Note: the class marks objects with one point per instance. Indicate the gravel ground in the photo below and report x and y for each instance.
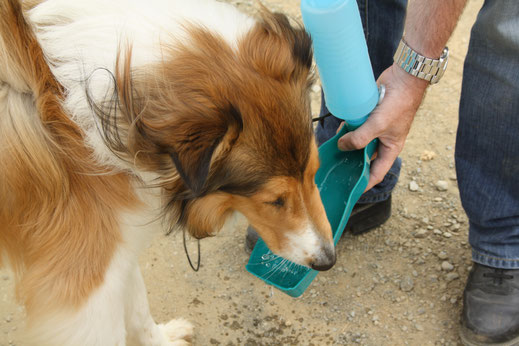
(398, 285)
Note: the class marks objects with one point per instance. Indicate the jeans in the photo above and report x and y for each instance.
(487, 144)
(383, 22)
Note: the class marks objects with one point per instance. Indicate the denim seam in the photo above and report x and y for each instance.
(495, 258)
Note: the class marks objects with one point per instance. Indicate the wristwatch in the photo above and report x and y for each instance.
(420, 66)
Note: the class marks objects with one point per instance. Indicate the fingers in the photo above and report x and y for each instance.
(361, 137)
(381, 165)
(340, 127)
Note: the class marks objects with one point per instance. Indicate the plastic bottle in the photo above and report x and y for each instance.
(342, 58)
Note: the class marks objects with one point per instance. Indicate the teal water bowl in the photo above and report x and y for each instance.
(341, 179)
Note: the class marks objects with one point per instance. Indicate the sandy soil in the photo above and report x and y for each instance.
(388, 287)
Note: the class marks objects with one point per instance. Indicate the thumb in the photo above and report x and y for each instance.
(357, 139)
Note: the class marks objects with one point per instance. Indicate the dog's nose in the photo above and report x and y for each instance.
(325, 260)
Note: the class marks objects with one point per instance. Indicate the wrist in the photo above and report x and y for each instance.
(410, 82)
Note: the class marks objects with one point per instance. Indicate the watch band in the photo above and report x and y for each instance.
(420, 66)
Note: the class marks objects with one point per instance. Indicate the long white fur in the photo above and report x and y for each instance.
(81, 38)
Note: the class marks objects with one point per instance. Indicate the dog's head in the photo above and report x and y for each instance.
(229, 129)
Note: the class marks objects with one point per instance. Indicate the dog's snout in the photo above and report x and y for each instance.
(325, 260)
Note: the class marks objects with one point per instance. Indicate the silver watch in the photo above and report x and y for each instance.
(418, 65)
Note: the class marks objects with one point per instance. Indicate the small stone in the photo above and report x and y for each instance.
(421, 233)
(406, 284)
(447, 266)
(452, 276)
(9, 318)
(453, 300)
(443, 255)
(437, 231)
(447, 234)
(418, 327)
(414, 273)
(427, 155)
(413, 186)
(441, 185)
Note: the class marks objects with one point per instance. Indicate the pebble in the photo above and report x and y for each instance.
(427, 155)
(406, 284)
(413, 186)
(447, 234)
(419, 327)
(437, 231)
(441, 185)
(447, 266)
(421, 233)
(442, 255)
(452, 276)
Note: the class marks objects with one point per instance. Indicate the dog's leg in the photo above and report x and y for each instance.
(142, 329)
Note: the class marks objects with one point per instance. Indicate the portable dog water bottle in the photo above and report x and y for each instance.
(351, 93)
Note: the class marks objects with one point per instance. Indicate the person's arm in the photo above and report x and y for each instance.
(429, 24)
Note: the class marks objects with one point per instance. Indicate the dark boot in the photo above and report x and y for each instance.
(490, 307)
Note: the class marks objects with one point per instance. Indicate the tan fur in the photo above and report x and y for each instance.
(213, 116)
(224, 130)
(58, 211)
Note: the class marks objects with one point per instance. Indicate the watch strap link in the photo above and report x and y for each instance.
(420, 66)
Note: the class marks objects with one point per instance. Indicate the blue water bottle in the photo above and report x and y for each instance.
(342, 58)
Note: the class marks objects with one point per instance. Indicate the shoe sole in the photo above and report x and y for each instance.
(467, 340)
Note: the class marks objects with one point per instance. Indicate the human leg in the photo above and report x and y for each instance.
(487, 164)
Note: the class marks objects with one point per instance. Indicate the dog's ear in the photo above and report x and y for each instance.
(194, 140)
(277, 48)
(191, 137)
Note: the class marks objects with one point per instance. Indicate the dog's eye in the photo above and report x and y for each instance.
(280, 202)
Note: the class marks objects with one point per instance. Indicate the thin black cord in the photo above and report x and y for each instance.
(187, 254)
(321, 118)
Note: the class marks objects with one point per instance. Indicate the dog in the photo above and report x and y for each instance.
(120, 118)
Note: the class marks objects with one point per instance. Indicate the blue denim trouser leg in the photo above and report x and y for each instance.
(487, 146)
(383, 22)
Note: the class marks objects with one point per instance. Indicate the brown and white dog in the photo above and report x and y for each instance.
(120, 116)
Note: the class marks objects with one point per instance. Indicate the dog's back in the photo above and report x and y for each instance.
(47, 182)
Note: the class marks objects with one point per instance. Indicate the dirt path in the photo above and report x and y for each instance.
(388, 287)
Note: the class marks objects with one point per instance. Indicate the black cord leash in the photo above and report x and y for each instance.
(187, 253)
(321, 118)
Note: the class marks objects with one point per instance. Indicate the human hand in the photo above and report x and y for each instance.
(389, 122)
